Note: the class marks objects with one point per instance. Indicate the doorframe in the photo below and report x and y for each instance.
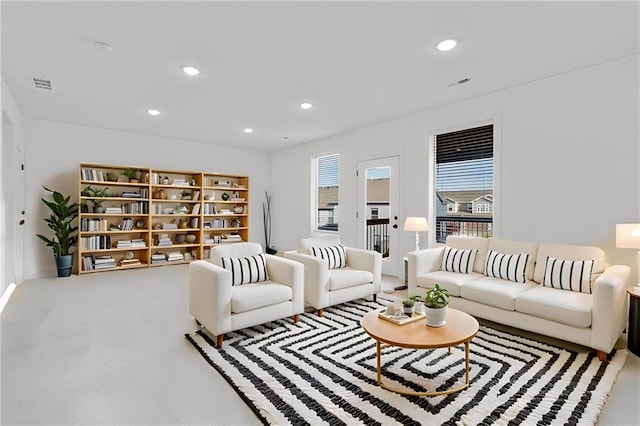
(393, 266)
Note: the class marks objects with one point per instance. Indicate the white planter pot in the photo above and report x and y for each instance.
(436, 317)
(419, 307)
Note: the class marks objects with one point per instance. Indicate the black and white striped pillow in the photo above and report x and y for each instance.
(511, 267)
(574, 275)
(336, 255)
(245, 270)
(458, 260)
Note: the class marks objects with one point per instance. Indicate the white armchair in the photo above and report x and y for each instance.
(323, 286)
(221, 307)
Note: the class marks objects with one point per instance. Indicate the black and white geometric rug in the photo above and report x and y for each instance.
(323, 371)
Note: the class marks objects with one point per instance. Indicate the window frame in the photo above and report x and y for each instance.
(314, 197)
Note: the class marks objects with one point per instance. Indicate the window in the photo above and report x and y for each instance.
(463, 168)
(327, 183)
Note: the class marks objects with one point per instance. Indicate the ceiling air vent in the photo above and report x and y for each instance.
(41, 83)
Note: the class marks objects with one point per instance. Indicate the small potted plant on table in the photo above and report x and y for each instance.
(435, 305)
(408, 306)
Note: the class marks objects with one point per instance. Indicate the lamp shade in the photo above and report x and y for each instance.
(416, 224)
(628, 235)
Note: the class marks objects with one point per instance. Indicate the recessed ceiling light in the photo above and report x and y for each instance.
(190, 71)
(153, 112)
(248, 130)
(305, 105)
(446, 45)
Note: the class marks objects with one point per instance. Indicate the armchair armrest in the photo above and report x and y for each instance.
(210, 296)
(366, 260)
(316, 275)
(290, 273)
(609, 312)
(420, 262)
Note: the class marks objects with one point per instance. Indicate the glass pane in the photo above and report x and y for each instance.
(377, 193)
(328, 191)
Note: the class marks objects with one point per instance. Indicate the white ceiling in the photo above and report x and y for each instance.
(359, 63)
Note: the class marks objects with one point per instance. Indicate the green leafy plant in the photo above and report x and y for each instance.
(408, 303)
(98, 193)
(416, 298)
(63, 213)
(130, 173)
(436, 297)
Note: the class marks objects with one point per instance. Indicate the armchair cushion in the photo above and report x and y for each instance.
(335, 255)
(249, 297)
(245, 270)
(347, 277)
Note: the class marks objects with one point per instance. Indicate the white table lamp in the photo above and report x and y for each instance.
(628, 236)
(416, 224)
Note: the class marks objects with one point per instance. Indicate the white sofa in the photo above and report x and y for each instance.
(594, 320)
(323, 286)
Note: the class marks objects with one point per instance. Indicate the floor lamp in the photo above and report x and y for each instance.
(628, 236)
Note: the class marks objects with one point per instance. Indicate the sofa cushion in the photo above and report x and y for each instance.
(458, 260)
(495, 292)
(510, 267)
(246, 270)
(476, 243)
(569, 252)
(451, 281)
(517, 247)
(565, 307)
(574, 275)
(347, 277)
(335, 255)
(258, 295)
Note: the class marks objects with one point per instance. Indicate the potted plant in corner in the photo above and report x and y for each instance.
(97, 194)
(266, 218)
(63, 213)
(132, 175)
(435, 305)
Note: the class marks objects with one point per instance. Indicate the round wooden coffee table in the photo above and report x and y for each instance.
(460, 328)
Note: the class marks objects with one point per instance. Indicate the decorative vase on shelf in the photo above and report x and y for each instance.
(238, 209)
(180, 238)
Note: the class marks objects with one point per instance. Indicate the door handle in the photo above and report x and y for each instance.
(21, 222)
(395, 226)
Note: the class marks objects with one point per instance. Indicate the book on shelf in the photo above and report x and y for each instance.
(180, 182)
(169, 226)
(130, 262)
(130, 194)
(196, 196)
(196, 209)
(113, 210)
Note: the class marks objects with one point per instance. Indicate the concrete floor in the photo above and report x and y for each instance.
(108, 348)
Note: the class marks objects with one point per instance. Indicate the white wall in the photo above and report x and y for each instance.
(571, 140)
(53, 151)
(11, 248)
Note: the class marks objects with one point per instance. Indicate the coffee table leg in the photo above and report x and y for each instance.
(378, 360)
(466, 359)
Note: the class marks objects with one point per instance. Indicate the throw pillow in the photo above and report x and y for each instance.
(457, 260)
(245, 270)
(511, 267)
(336, 255)
(574, 275)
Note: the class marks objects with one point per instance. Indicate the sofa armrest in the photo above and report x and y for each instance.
(210, 296)
(609, 313)
(366, 260)
(290, 273)
(420, 262)
(316, 276)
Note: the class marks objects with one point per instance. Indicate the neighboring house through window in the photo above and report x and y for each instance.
(327, 182)
(463, 173)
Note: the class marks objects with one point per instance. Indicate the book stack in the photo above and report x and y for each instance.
(138, 243)
(164, 240)
(130, 194)
(232, 238)
(124, 244)
(174, 256)
(113, 210)
(180, 182)
(130, 262)
(158, 258)
(104, 262)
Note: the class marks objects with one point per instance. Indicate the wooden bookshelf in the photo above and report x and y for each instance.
(167, 217)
